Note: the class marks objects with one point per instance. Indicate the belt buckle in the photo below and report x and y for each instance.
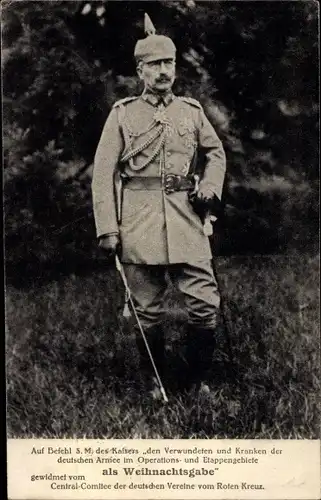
(171, 183)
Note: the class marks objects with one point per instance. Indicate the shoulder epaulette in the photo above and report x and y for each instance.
(191, 101)
(124, 101)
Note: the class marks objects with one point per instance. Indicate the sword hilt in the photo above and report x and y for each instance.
(197, 183)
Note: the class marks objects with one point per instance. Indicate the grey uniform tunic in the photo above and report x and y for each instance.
(160, 231)
(156, 228)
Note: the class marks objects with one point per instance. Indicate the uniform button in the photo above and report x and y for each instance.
(169, 153)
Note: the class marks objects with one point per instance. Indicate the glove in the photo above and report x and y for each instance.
(204, 201)
(110, 243)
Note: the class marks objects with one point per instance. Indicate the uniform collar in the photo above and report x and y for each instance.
(156, 99)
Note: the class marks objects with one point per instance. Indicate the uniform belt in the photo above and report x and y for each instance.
(169, 183)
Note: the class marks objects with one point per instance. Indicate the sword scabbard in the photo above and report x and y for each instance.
(118, 190)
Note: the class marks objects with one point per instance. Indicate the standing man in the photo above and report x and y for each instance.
(156, 142)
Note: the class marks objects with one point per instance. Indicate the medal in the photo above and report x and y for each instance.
(185, 126)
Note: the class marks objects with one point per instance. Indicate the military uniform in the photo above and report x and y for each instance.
(155, 143)
(151, 140)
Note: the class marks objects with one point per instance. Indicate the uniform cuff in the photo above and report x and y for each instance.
(115, 233)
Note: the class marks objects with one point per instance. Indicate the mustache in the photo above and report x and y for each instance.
(163, 80)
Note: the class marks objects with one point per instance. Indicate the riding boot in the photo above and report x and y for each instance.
(156, 341)
(205, 356)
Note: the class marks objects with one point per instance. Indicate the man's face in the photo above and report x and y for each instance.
(159, 75)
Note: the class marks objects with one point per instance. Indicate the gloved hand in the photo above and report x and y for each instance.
(204, 201)
(204, 196)
(110, 243)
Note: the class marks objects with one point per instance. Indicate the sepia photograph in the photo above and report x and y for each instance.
(161, 211)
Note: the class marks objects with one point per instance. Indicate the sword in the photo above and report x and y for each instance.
(121, 271)
(208, 231)
(209, 219)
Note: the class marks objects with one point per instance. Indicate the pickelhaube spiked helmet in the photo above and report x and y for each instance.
(153, 47)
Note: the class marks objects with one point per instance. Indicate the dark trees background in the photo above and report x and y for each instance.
(254, 67)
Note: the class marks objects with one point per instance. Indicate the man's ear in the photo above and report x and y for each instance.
(139, 69)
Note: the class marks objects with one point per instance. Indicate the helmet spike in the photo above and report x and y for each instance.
(149, 28)
(153, 47)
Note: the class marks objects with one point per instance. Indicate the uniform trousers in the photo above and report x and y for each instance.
(197, 283)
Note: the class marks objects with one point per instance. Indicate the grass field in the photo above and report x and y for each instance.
(71, 373)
